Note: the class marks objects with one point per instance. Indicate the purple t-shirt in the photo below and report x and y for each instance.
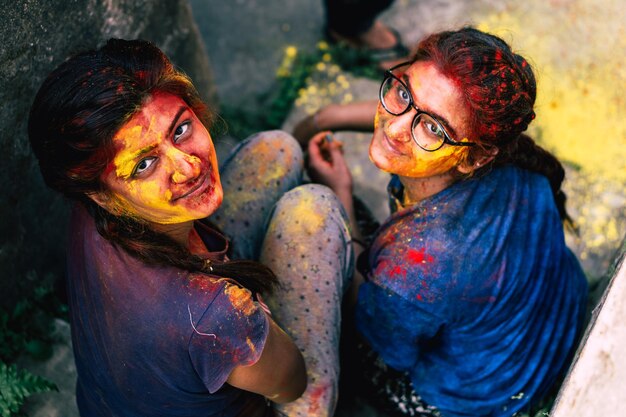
(155, 341)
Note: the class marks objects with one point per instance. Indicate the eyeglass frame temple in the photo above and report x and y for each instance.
(447, 139)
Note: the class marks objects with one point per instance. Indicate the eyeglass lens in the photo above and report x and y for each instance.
(394, 96)
(427, 132)
(396, 99)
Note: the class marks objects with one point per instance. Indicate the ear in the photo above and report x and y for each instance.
(466, 168)
(104, 200)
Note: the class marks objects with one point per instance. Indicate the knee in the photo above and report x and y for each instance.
(315, 197)
(276, 142)
(311, 206)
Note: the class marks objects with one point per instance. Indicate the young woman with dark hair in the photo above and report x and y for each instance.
(165, 307)
(467, 293)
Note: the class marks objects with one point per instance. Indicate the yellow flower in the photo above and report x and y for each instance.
(322, 46)
(291, 51)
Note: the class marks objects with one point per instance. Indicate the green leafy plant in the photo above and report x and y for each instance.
(16, 385)
(26, 329)
(291, 78)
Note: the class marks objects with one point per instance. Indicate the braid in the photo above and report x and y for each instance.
(499, 89)
(154, 248)
(526, 154)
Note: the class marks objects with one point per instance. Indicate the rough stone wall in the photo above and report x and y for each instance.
(36, 36)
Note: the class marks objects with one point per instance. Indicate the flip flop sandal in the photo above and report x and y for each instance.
(377, 55)
(392, 53)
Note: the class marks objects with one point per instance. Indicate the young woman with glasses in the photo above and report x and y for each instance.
(166, 312)
(467, 295)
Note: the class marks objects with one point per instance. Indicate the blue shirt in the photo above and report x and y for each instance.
(156, 341)
(474, 293)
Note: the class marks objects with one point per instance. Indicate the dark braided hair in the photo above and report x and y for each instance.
(499, 89)
(75, 115)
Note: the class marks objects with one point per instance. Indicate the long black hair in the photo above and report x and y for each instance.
(76, 113)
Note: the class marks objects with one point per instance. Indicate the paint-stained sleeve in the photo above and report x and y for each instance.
(231, 333)
(392, 326)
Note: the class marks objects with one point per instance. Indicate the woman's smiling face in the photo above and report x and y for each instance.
(165, 168)
(393, 149)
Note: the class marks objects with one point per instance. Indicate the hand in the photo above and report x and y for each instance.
(327, 165)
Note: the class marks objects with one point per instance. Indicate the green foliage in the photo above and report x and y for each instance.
(280, 99)
(26, 329)
(358, 62)
(16, 385)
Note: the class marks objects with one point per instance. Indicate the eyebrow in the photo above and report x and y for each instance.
(437, 116)
(148, 149)
(180, 111)
(145, 150)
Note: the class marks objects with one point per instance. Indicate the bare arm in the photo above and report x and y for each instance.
(358, 116)
(279, 374)
(328, 166)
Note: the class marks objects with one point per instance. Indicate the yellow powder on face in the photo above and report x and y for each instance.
(132, 137)
(240, 298)
(124, 160)
(193, 170)
(437, 162)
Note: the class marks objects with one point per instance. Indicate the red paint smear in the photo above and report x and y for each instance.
(418, 256)
(201, 283)
(397, 270)
(316, 394)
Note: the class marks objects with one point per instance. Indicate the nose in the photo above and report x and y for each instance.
(184, 166)
(399, 127)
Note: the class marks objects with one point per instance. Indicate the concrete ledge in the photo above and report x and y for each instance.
(593, 386)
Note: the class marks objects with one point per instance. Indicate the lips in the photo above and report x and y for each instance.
(196, 187)
(390, 145)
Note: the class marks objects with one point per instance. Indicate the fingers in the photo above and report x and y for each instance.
(319, 149)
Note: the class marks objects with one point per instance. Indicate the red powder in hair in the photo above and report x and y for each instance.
(498, 54)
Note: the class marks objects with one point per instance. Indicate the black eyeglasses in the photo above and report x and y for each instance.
(426, 130)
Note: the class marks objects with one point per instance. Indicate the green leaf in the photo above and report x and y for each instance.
(18, 384)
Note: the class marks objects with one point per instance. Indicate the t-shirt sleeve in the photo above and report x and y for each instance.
(231, 333)
(394, 327)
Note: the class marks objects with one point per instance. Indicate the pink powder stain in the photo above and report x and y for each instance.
(201, 282)
(397, 271)
(316, 395)
(418, 256)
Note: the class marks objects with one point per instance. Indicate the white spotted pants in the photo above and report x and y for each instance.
(301, 233)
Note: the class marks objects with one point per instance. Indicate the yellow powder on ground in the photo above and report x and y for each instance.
(581, 111)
